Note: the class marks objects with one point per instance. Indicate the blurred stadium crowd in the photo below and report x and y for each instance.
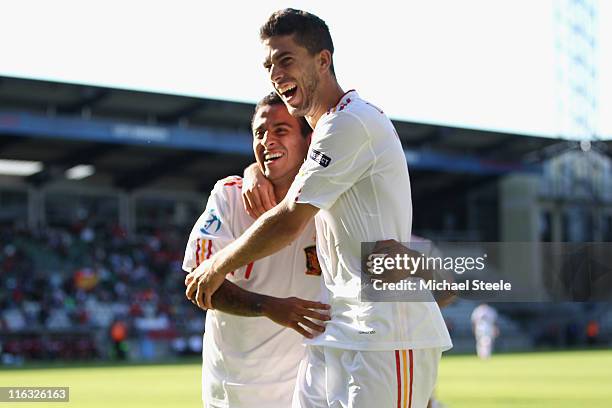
(69, 292)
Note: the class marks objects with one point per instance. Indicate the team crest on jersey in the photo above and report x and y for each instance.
(320, 158)
(312, 262)
(212, 224)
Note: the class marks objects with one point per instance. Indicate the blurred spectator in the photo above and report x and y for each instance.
(592, 332)
(118, 334)
(13, 319)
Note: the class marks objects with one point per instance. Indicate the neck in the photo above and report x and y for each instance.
(280, 192)
(329, 96)
(281, 186)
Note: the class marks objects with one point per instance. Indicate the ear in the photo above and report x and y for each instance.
(324, 61)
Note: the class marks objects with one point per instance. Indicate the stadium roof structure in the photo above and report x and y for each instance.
(141, 139)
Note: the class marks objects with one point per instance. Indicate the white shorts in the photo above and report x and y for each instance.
(276, 395)
(339, 378)
(269, 390)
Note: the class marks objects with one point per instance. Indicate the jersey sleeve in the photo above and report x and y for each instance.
(339, 155)
(213, 229)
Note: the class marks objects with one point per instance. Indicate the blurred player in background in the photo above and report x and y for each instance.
(355, 180)
(248, 360)
(484, 325)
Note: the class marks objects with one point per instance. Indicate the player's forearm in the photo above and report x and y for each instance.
(270, 233)
(232, 299)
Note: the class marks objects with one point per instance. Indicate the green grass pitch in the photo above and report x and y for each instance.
(554, 379)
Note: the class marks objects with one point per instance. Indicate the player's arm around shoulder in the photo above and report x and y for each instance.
(270, 233)
(297, 215)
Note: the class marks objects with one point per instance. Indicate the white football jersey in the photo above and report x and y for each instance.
(356, 174)
(251, 361)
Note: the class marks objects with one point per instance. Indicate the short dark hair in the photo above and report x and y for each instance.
(309, 30)
(272, 99)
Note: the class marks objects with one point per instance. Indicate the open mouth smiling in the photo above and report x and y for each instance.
(287, 91)
(272, 156)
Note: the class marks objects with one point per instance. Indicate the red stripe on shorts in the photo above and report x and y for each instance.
(399, 379)
(411, 372)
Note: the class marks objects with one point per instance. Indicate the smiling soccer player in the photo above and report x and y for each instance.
(355, 183)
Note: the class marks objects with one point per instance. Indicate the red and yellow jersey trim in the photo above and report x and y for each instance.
(203, 250)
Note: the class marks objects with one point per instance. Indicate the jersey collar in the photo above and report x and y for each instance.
(348, 96)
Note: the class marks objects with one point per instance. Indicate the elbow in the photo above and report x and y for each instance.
(289, 228)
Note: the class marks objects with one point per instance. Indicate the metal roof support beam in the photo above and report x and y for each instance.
(91, 96)
(135, 179)
(186, 111)
(439, 134)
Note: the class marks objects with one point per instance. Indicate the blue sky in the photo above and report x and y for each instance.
(470, 63)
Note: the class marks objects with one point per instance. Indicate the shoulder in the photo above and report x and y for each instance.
(355, 114)
(228, 188)
(361, 108)
(341, 122)
(230, 181)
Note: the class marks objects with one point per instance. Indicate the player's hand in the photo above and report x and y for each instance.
(257, 192)
(191, 285)
(190, 276)
(201, 284)
(391, 248)
(303, 316)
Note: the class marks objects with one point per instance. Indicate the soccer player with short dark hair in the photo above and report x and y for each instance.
(355, 184)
